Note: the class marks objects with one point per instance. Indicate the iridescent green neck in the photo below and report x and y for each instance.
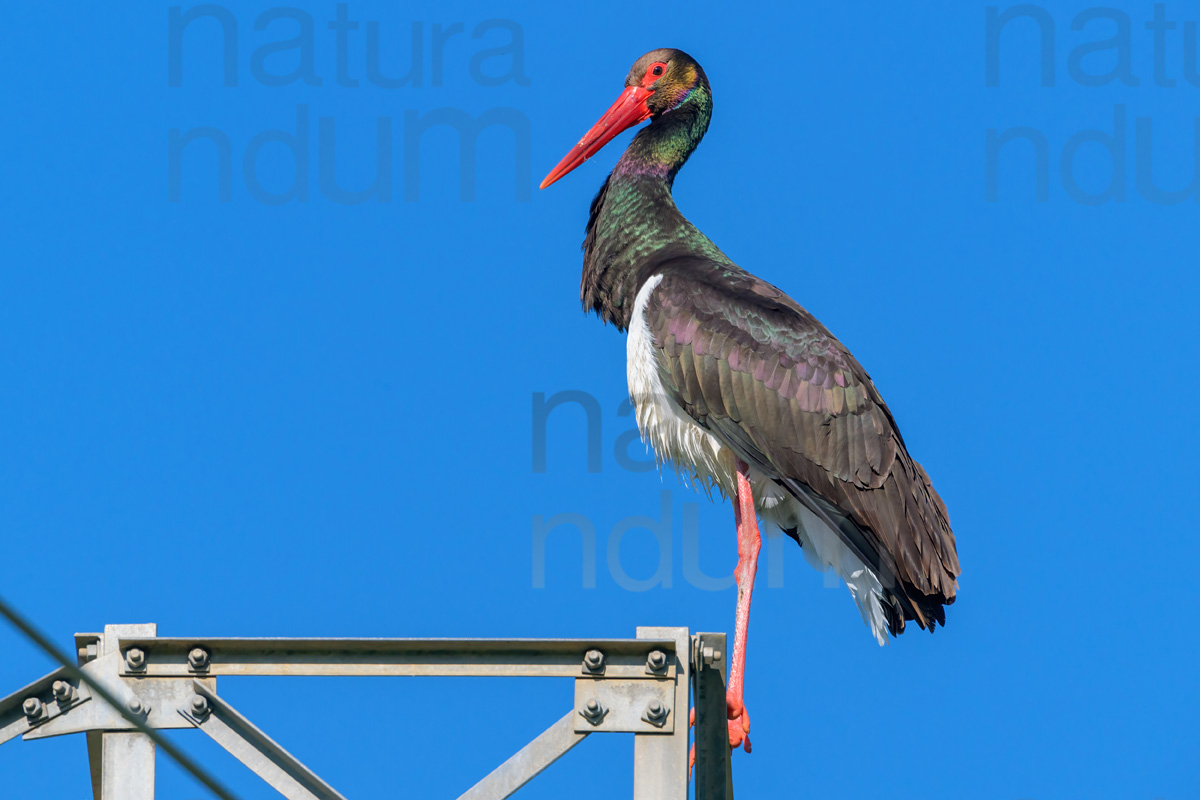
(660, 149)
(634, 228)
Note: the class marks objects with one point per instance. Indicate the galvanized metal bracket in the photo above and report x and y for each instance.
(154, 699)
(623, 705)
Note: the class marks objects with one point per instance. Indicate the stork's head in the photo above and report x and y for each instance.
(659, 82)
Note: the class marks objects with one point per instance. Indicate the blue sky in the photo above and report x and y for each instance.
(313, 418)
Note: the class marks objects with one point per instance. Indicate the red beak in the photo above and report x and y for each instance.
(629, 110)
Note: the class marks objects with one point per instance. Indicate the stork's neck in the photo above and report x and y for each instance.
(634, 225)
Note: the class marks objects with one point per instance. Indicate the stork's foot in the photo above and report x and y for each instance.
(739, 729)
(692, 751)
(739, 723)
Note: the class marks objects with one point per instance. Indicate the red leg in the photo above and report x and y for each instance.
(749, 543)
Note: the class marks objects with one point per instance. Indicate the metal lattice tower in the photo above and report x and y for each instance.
(639, 686)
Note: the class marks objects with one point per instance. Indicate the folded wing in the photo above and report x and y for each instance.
(765, 377)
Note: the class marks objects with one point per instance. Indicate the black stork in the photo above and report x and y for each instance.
(743, 389)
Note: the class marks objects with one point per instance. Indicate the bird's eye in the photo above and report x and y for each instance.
(653, 73)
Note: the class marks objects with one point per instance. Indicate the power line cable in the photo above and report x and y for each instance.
(34, 635)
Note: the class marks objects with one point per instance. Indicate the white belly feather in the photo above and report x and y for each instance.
(697, 454)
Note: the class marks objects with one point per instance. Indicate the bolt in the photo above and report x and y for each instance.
(198, 659)
(593, 711)
(63, 691)
(137, 707)
(199, 706)
(593, 661)
(656, 661)
(710, 655)
(135, 657)
(32, 707)
(656, 713)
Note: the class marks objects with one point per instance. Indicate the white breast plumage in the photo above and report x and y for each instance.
(674, 435)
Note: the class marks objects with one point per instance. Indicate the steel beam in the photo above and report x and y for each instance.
(660, 762)
(714, 777)
(127, 767)
(252, 747)
(113, 756)
(562, 658)
(95, 750)
(529, 762)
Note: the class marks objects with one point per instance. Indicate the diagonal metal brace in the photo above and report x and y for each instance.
(16, 721)
(528, 762)
(255, 749)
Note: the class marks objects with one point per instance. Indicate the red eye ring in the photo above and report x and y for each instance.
(654, 72)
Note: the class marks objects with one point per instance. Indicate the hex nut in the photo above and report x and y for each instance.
(63, 691)
(710, 656)
(198, 659)
(137, 707)
(593, 662)
(594, 711)
(656, 662)
(656, 713)
(32, 707)
(135, 657)
(199, 706)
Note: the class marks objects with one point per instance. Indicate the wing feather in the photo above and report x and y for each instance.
(776, 387)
